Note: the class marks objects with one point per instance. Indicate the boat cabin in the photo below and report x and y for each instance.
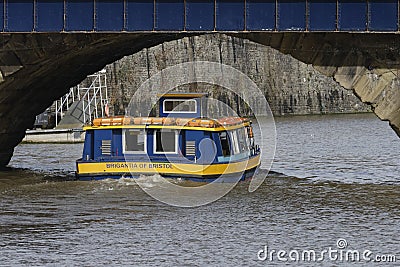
(181, 134)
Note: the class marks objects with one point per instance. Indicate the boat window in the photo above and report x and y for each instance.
(165, 141)
(134, 140)
(235, 142)
(242, 140)
(179, 106)
(226, 150)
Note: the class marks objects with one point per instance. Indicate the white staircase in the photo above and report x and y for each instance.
(83, 103)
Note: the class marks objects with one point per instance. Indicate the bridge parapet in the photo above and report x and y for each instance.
(198, 15)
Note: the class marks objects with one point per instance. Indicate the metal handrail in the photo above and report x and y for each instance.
(88, 96)
(64, 100)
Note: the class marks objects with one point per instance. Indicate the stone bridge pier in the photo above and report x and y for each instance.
(367, 64)
(37, 68)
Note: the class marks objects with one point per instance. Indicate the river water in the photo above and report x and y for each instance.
(336, 187)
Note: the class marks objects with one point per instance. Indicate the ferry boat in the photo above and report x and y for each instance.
(181, 142)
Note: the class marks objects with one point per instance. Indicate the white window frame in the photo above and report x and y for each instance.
(155, 142)
(185, 100)
(124, 142)
(246, 143)
(235, 142)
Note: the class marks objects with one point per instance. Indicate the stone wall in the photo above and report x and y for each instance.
(290, 86)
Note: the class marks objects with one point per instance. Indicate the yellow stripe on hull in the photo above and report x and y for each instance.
(87, 168)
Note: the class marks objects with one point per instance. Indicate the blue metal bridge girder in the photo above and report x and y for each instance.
(198, 15)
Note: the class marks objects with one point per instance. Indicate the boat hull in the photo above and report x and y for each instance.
(222, 172)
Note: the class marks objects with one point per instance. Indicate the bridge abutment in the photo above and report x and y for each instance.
(367, 64)
(378, 87)
(38, 68)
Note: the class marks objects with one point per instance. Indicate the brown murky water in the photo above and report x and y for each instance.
(338, 177)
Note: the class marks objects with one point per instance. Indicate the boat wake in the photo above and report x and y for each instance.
(149, 181)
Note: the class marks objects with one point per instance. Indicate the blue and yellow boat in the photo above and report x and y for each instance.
(179, 143)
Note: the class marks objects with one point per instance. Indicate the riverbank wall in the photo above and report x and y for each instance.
(290, 86)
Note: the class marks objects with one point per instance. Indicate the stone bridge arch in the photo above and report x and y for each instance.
(37, 68)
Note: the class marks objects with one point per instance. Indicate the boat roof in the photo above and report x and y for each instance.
(199, 124)
(183, 95)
